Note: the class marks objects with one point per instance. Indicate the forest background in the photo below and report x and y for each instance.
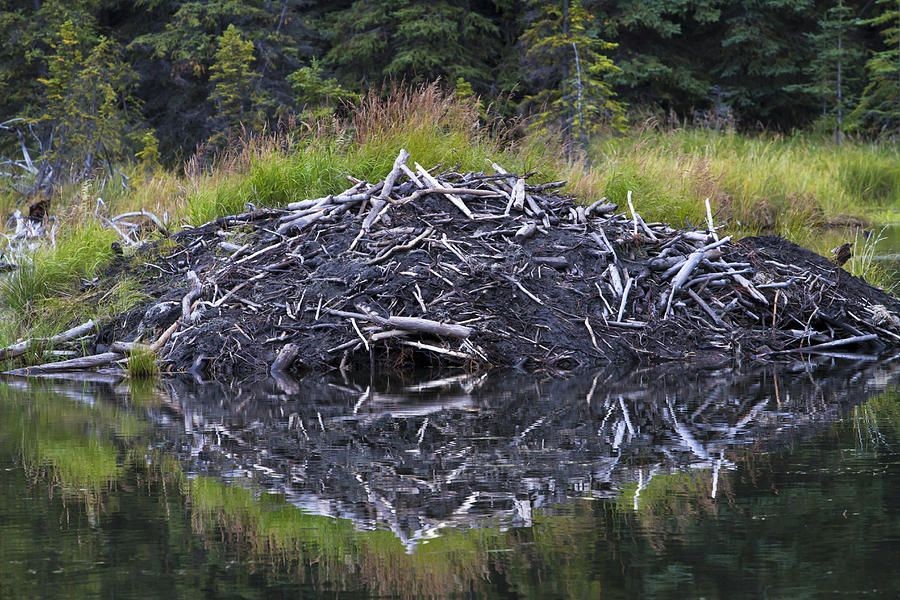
(89, 84)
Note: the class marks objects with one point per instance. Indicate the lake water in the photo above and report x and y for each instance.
(775, 483)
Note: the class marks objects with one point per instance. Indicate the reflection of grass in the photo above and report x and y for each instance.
(273, 529)
(79, 464)
(68, 442)
(881, 412)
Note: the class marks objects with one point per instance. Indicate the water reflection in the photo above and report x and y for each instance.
(420, 458)
(662, 482)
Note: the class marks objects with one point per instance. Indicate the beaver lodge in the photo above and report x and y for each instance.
(475, 270)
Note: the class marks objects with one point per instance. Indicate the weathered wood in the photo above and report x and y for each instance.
(286, 357)
(410, 324)
(24, 346)
(76, 364)
(431, 182)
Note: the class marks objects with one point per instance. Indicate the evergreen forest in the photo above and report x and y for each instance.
(88, 84)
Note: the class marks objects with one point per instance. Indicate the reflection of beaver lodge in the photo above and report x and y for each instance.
(483, 270)
(418, 458)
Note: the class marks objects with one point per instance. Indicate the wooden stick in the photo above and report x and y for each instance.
(436, 349)
(434, 183)
(856, 339)
(518, 195)
(24, 346)
(285, 358)
(75, 364)
(409, 323)
(193, 294)
(625, 297)
(382, 200)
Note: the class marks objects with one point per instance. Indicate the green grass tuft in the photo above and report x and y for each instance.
(142, 364)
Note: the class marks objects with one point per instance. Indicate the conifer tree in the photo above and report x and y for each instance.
(762, 58)
(878, 112)
(834, 69)
(316, 95)
(568, 70)
(666, 49)
(235, 94)
(414, 41)
(88, 115)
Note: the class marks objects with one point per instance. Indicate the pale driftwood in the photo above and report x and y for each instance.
(707, 309)
(600, 237)
(416, 324)
(518, 195)
(600, 207)
(381, 202)
(286, 357)
(431, 182)
(709, 221)
(525, 231)
(130, 348)
(24, 346)
(157, 222)
(856, 339)
(436, 349)
(75, 364)
(400, 247)
(625, 297)
(193, 294)
(300, 222)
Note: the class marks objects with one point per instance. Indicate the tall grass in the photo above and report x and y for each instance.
(772, 184)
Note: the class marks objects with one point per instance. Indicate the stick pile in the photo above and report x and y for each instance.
(484, 270)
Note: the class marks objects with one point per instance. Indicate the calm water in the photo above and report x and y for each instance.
(779, 483)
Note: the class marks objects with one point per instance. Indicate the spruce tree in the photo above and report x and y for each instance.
(763, 55)
(88, 115)
(878, 112)
(235, 93)
(666, 49)
(414, 41)
(316, 95)
(568, 70)
(836, 64)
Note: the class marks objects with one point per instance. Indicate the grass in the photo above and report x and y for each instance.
(142, 364)
(790, 186)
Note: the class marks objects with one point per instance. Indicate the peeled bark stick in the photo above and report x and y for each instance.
(434, 183)
(518, 195)
(707, 309)
(157, 222)
(857, 339)
(600, 207)
(625, 297)
(602, 240)
(382, 200)
(410, 324)
(525, 231)
(686, 269)
(130, 347)
(193, 294)
(437, 349)
(709, 221)
(75, 364)
(24, 346)
(286, 357)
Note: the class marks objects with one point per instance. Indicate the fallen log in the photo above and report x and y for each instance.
(24, 346)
